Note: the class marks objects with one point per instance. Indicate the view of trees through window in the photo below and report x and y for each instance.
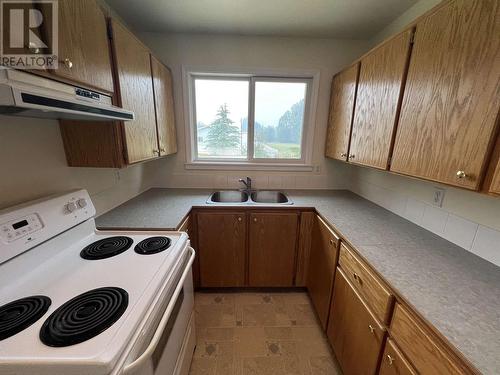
(222, 110)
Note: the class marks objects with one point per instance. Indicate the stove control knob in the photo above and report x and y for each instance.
(71, 207)
(82, 202)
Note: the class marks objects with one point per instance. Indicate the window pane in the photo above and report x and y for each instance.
(221, 118)
(279, 119)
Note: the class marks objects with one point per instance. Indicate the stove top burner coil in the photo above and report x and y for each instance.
(152, 245)
(106, 248)
(18, 315)
(84, 316)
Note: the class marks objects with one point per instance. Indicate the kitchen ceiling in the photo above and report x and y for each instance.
(356, 19)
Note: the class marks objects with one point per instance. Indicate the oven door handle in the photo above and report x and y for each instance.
(164, 320)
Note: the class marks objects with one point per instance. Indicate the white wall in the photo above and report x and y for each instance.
(33, 164)
(468, 219)
(403, 20)
(233, 52)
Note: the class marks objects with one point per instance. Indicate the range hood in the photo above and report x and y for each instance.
(29, 95)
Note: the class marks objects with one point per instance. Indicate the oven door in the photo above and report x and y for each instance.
(171, 346)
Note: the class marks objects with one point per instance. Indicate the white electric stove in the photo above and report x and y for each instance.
(74, 300)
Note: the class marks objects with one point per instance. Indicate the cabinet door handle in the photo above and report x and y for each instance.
(343, 154)
(356, 277)
(239, 219)
(372, 330)
(461, 174)
(352, 156)
(254, 219)
(331, 241)
(390, 360)
(67, 63)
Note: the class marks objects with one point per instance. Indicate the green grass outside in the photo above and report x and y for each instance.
(287, 150)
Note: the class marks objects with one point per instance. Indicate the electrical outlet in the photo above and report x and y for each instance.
(438, 197)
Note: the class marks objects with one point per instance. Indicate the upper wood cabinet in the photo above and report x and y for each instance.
(221, 248)
(143, 85)
(322, 263)
(450, 107)
(380, 85)
(272, 248)
(342, 100)
(164, 106)
(83, 45)
(133, 71)
(353, 331)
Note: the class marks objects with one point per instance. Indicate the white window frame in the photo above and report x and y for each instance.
(311, 77)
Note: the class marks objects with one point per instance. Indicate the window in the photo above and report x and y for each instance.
(249, 119)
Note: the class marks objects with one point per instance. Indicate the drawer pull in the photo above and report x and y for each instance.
(357, 278)
(331, 242)
(372, 330)
(390, 360)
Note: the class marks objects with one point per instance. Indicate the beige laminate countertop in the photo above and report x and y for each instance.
(453, 289)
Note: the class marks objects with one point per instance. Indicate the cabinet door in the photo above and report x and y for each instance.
(452, 95)
(322, 262)
(341, 113)
(379, 90)
(84, 52)
(164, 106)
(394, 362)
(221, 245)
(427, 354)
(273, 239)
(493, 183)
(354, 333)
(133, 68)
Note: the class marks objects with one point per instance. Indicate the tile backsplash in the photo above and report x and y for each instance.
(410, 199)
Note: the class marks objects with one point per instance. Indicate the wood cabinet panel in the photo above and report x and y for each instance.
(342, 100)
(374, 291)
(272, 249)
(353, 331)
(307, 220)
(322, 264)
(493, 181)
(394, 362)
(427, 356)
(164, 106)
(92, 144)
(380, 85)
(83, 42)
(452, 94)
(133, 70)
(221, 245)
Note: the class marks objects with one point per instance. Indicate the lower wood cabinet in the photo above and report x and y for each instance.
(322, 263)
(353, 331)
(394, 362)
(221, 248)
(427, 355)
(272, 248)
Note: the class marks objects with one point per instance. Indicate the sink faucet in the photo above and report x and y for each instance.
(247, 183)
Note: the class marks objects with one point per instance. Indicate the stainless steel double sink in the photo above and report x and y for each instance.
(254, 197)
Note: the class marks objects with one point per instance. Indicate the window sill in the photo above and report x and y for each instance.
(242, 166)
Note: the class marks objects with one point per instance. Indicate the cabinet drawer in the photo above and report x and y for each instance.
(372, 289)
(425, 353)
(394, 362)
